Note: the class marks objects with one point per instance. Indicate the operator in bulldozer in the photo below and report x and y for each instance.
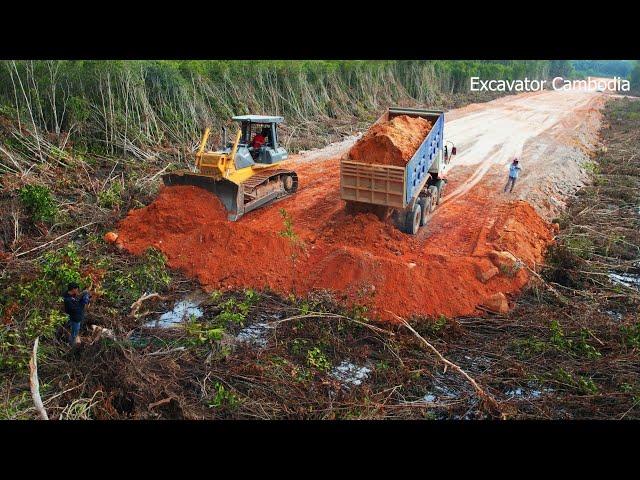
(258, 140)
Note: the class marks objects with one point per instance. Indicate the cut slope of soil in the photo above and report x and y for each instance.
(391, 143)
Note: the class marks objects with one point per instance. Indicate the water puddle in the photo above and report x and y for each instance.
(350, 374)
(446, 392)
(182, 310)
(254, 334)
(628, 280)
(523, 393)
(615, 315)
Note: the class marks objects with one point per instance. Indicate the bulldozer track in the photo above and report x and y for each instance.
(261, 177)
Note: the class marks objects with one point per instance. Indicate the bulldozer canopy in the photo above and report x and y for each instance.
(258, 119)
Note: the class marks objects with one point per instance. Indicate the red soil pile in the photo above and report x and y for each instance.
(391, 143)
(360, 258)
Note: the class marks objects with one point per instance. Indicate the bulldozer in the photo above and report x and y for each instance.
(245, 174)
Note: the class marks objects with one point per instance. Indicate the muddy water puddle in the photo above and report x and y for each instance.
(350, 374)
(526, 393)
(255, 334)
(629, 280)
(183, 310)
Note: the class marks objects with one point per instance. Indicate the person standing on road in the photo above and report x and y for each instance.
(74, 303)
(514, 171)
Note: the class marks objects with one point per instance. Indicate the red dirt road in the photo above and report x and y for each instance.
(456, 266)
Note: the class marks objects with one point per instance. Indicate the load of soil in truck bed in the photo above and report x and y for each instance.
(391, 143)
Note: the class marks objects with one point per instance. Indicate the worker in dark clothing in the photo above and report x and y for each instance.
(74, 304)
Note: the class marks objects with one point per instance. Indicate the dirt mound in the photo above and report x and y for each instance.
(391, 143)
(361, 258)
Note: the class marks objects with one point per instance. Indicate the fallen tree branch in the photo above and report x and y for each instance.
(334, 316)
(34, 384)
(558, 295)
(486, 399)
(166, 352)
(160, 402)
(135, 306)
(54, 240)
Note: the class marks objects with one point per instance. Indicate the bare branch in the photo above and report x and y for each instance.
(35, 384)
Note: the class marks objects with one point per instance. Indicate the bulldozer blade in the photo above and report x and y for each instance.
(228, 192)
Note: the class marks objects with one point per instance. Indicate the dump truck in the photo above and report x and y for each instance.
(407, 194)
(244, 174)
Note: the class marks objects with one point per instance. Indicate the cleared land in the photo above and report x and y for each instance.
(476, 251)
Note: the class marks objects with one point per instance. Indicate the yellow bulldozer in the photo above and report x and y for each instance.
(245, 174)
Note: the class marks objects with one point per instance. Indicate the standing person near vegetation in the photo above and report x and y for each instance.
(74, 304)
(514, 171)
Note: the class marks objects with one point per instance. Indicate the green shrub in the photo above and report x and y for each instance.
(39, 203)
(582, 385)
(149, 274)
(39, 325)
(201, 333)
(111, 197)
(223, 398)
(581, 246)
(63, 266)
(17, 407)
(528, 347)
(235, 311)
(631, 335)
(578, 346)
(317, 359)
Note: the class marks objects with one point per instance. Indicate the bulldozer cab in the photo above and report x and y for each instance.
(260, 138)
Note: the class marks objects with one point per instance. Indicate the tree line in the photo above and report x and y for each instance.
(130, 106)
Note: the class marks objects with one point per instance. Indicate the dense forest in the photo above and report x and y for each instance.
(603, 68)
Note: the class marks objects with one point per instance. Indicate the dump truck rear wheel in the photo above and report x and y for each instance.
(440, 184)
(424, 208)
(433, 201)
(412, 223)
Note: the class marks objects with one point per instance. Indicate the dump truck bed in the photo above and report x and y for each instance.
(389, 185)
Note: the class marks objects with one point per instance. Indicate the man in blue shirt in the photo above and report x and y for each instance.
(74, 303)
(514, 171)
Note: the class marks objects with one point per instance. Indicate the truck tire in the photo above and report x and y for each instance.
(432, 192)
(440, 184)
(412, 220)
(424, 202)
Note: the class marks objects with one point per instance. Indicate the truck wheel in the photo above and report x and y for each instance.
(441, 184)
(424, 210)
(412, 222)
(433, 193)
